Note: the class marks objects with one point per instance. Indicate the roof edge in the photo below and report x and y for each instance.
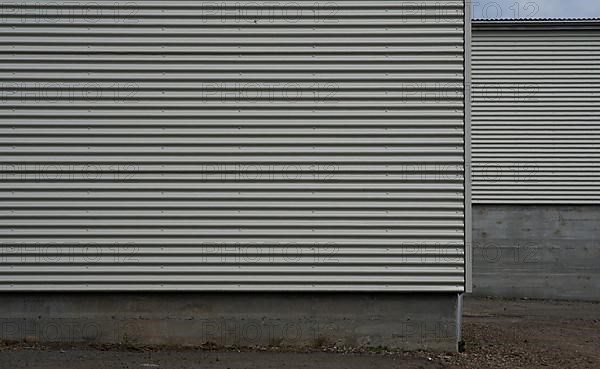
(536, 21)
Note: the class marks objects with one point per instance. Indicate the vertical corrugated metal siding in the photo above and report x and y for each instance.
(189, 145)
(536, 113)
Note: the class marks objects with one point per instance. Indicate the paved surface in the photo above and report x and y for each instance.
(499, 334)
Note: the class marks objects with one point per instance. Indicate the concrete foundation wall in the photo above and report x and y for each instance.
(401, 321)
(549, 251)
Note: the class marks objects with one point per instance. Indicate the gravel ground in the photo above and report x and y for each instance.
(499, 334)
(503, 334)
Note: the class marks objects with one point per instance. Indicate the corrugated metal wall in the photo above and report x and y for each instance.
(231, 145)
(536, 112)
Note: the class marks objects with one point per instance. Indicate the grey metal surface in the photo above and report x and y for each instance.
(188, 145)
(536, 112)
(467, 145)
(544, 21)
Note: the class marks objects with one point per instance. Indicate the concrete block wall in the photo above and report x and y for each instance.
(395, 320)
(541, 251)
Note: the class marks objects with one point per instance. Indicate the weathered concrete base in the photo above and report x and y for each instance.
(400, 321)
(550, 252)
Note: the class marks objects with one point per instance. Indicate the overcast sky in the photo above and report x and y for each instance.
(536, 8)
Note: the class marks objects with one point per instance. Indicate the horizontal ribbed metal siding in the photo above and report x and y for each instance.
(536, 113)
(188, 145)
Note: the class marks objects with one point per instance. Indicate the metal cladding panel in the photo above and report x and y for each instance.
(536, 112)
(231, 145)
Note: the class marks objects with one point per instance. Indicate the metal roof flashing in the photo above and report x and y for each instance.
(578, 22)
